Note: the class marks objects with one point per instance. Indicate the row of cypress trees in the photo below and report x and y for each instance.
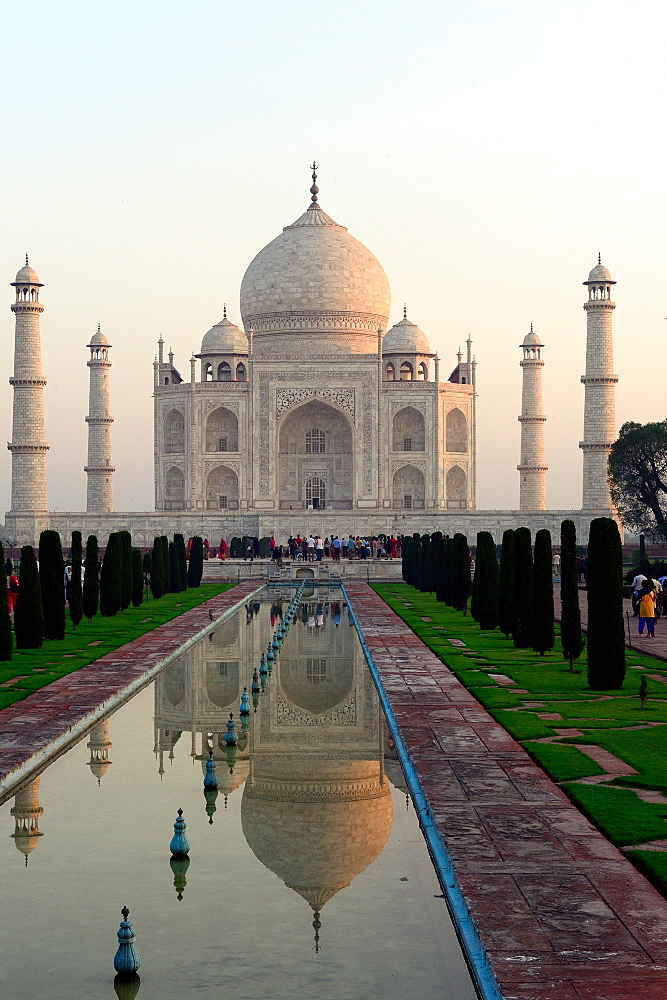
(40, 606)
(517, 595)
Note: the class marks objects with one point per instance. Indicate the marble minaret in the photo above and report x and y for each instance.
(28, 446)
(532, 470)
(599, 382)
(99, 468)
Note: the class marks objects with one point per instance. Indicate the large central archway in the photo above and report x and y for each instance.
(315, 458)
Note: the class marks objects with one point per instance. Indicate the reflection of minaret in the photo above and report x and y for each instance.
(99, 745)
(26, 812)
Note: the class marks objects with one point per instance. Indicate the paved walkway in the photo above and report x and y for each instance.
(561, 913)
(48, 720)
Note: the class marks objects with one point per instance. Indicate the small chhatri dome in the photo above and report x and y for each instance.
(531, 339)
(405, 338)
(27, 275)
(224, 338)
(599, 273)
(98, 339)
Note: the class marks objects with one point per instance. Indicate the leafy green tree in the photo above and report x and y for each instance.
(125, 539)
(6, 640)
(505, 583)
(638, 477)
(111, 577)
(29, 613)
(76, 589)
(52, 582)
(461, 582)
(91, 579)
(485, 582)
(196, 567)
(522, 588)
(571, 637)
(606, 630)
(137, 579)
(542, 619)
(157, 574)
(179, 542)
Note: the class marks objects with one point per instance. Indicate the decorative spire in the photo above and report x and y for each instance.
(531, 327)
(98, 328)
(26, 261)
(599, 258)
(405, 310)
(314, 191)
(224, 310)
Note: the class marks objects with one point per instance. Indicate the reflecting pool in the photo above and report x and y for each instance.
(307, 872)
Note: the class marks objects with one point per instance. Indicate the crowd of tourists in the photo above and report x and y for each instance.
(314, 548)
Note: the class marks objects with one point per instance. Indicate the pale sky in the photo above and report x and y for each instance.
(484, 151)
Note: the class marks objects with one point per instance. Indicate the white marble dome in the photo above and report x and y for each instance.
(599, 273)
(27, 276)
(99, 340)
(532, 340)
(405, 338)
(315, 288)
(224, 338)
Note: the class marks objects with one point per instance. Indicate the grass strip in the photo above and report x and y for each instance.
(32, 669)
(653, 865)
(623, 818)
(562, 762)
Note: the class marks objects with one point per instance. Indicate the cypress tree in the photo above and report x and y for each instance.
(75, 590)
(196, 567)
(157, 576)
(505, 583)
(137, 579)
(606, 630)
(166, 568)
(435, 568)
(52, 582)
(146, 563)
(406, 559)
(522, 588)
(447, 588)
(416, 560)
(179, 542)
(111, 577)
(425, 564)
(542, 622)
(125, 539)
(461, 583)
(570, 615)
(91, 579)
(485, 582)
(174, 570)
(6, 640)
(29, 613)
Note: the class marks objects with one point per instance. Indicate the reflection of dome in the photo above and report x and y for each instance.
(224, 338)
(26, 812)
(316, 825)
(405, 338)
(312, 280)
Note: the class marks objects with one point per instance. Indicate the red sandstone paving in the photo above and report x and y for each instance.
(51, 712)
(562, 914)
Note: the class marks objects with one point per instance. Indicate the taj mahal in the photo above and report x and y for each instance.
(312, 414)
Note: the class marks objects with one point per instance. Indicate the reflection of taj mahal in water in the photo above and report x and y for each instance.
(316, 807)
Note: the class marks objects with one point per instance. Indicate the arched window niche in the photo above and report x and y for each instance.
(224, 372)
(456, 431)
(174, 433)
(406, 373)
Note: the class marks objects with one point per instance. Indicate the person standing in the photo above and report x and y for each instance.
(647, 609)
(319, 548)
(636, 586)
(12, 591)
(343, 546)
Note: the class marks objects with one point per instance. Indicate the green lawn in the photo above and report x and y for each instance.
(31, 669)
(612, 720)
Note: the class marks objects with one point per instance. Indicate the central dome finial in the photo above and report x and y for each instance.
(314, 189)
